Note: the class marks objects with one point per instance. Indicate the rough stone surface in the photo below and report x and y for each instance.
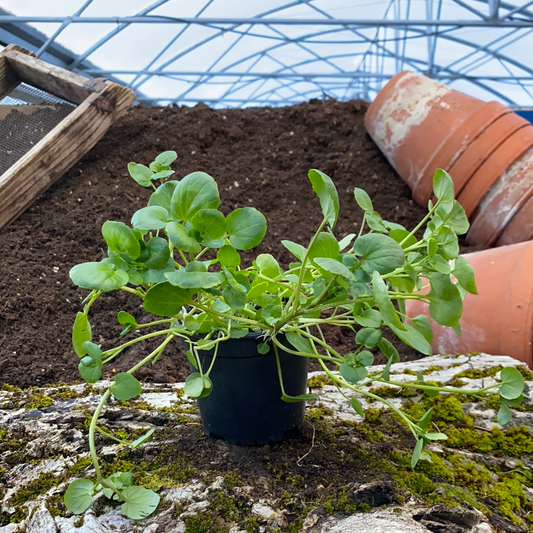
(55, 440)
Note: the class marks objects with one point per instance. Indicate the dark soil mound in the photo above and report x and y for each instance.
(259, 157)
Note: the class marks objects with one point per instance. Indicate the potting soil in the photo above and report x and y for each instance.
(259, 157)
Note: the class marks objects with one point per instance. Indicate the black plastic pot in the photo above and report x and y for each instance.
(245, 405)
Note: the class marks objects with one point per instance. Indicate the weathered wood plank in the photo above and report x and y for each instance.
(60, 82)
(59, 150)
(8, 77)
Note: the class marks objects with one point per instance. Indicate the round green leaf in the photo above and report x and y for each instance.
(456, 219)
(325, 245)
(504, 415)
(120, 239)
(368, 337)
(352, 374)
(379, 252)
(295, 249)
(228, 256)
(99, 276)
(210, 223)
(179, 237)
(445, 302)
(125, 318)
(366, 358)
(195, 280)
(158, 253)
(400, 234)
(369, 318)
(141, 174)
(193, 193)
(139, 503)
(79, 496)
(90, 368)
(443, 189)
(150, 218)
(268, 266)
(162, 196)
(512, 383)
(235, 299)
(125, 387)
(166, 158)
(246, 228)
(165, 299)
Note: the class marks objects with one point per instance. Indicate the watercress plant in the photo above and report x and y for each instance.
(181, 257)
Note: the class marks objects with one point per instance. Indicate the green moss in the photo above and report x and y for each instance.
(39, 400)
(317, 382)
(475, 373)
(79, 521)
(510, 496)
(10, 388)
(392, 392)
(204, 522)
(232, 479)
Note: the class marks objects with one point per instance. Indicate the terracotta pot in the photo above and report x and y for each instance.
(481, 148)
(455, 145)
(412, 118)
(521, 226)
(503, 216)
(499, 320)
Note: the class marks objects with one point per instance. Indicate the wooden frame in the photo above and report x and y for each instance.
(99, 103)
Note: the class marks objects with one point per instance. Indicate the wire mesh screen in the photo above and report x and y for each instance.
(27, 114)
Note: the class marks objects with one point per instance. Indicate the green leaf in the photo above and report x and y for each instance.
(142, 439)
(268, 266)
(358, 408)
(166, 158)
(90, 366)
(295, 249)
(125, 387)
(433, 247)
(162, 174)
(121, 480)
(99, 276)
(120, 239)
(150, 218)
(384, 303)
(246, 227)
(263, 348)
(422, 324)
(443, 189)
(365, 358)
(389, 350)
(448, 243)
(374, 222)
(435, 436)
(440, 264)
(334, 267)
(464, 273)
(400, 234)
(299, 398)
(195, 280)
(368, 337)
(81, 332)
(425, 419)
(352, 374)
(413, 338)
(125, 318)
(379, 252)
(139, 503)
(363, 200)
(228, 256)
(235, 299)
(158, 251)
(325, 245)
(141, 174)
(300, 344)
(197, 386)
(504, 415)
(369, 318)
(179, 237)
(162, 196)
(346, 241)
(210, 223)
(512, 383)
(445, 302)
(456, 219)
(165, 299)
(416, 452)
(79, 496)
(193, 193)
(327, 194)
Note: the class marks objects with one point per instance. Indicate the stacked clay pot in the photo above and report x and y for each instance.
(421, 125)
(499, 320)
